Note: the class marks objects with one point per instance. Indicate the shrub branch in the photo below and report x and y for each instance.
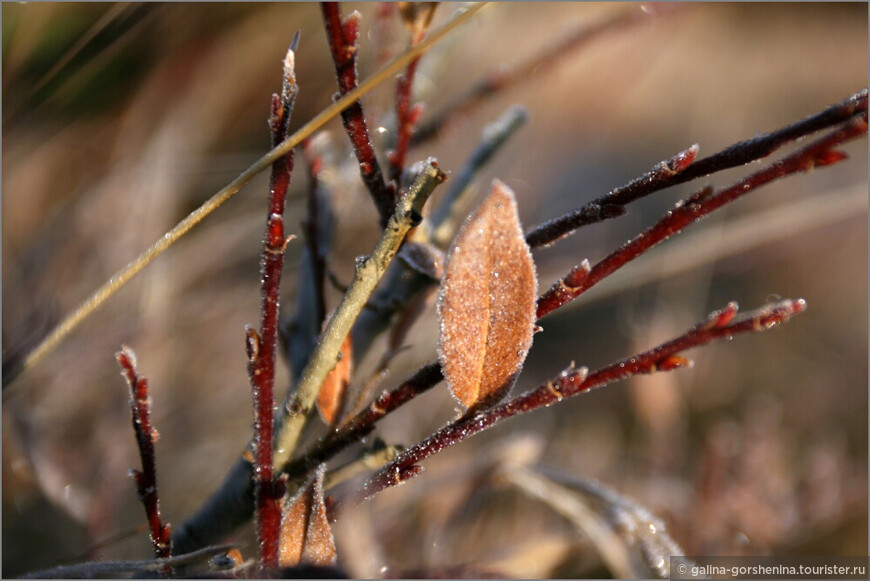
(369, 271)
(682, 168)
(146, 435)
(819, 153)
(342, 37)
(262, 346)
(718, 325)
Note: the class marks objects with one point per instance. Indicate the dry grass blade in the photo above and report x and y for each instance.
(487, 303)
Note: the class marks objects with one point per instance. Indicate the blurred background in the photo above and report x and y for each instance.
(120, 119)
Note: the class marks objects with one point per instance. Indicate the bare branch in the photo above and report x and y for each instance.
(682, 168)
(686, 212)
(146, 435)
(342, 37)
(368, 272)
(262, 347)
(665, 357)
(493, 137)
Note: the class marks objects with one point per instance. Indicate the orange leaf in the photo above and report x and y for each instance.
(487, 303)
(332, 394)
(305, 533)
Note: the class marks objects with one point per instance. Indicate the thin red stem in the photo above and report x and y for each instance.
(819, 153)
(406, 116)
(682, 168)
(718, 325)
(262, 346)
(342, 39)
(146, 436)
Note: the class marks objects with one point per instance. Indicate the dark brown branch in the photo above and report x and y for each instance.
(665, 357)
(316, 250)
(342, 38)
(146, 435)
(506, 76)
(417, 17)
(406, 117)
(682, 168)
(819, 153)
(262, 346)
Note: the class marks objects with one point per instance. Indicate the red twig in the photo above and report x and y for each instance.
(682, 168)
(719, 325)
(819, 153)
(342, 39)
(262, 347)
(417, 17)
(146, 436)
(406, 117)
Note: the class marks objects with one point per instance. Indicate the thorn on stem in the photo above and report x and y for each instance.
(829, 157)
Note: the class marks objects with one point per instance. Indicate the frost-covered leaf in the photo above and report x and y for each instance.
(305, 533)
(487, 303)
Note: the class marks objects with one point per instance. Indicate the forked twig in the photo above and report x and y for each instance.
(146, 435)
(369, 271)
(819, 153)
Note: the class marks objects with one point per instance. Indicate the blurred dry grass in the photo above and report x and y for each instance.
(760, 449)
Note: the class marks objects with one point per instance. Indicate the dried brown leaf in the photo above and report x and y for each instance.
(330, 400)
(487, 303)
(305, 533)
